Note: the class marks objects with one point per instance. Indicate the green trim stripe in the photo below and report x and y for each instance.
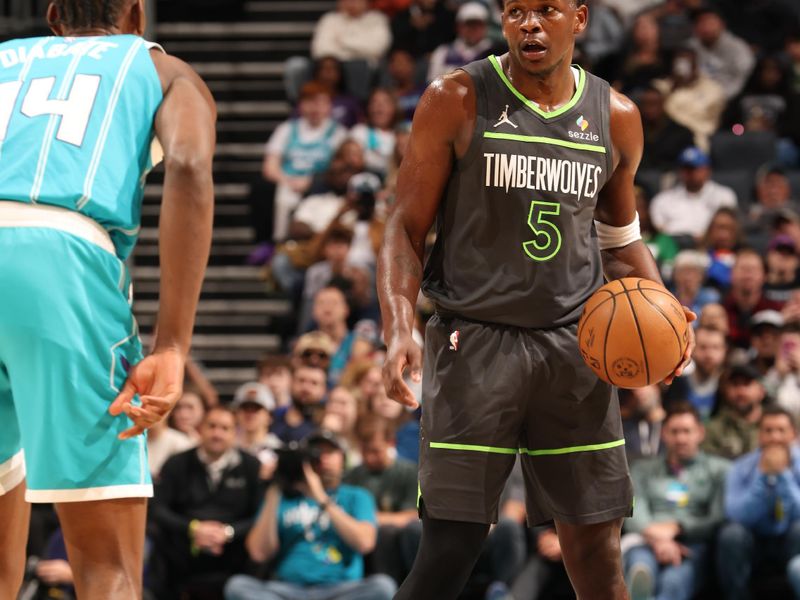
(473, 448)
(532, 105)
(536, 139)
(573, 449)
(546, 452)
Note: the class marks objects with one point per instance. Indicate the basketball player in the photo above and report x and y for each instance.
(78, 113)
(527, 165)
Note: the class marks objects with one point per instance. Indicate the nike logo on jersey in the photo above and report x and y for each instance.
(504, 120)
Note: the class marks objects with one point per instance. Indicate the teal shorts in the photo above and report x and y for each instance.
(67, 338)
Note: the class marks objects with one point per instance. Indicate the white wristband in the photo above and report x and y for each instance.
(609, 236)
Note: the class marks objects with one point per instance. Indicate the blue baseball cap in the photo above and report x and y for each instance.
(693, 157)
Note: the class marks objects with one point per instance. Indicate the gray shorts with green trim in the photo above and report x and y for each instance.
(490, 392)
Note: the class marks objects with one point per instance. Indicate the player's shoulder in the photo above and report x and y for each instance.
(448, 102)
(622, 107)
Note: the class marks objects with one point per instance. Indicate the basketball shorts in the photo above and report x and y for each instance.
(67, 337)
(492, 392)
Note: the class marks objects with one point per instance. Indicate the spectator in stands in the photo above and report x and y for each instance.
(352, 32)
(642, 61)
(402, 82)
(275, 372)
(693, 99)
(330, 312)
(701, 384)
(679, 505)
(765, 329)
(722, 56)
(253, 404)
(773, 195)
(783, 379)
(721, 241)
(688, 275)
(313, 349)
(782, 269)
(472, 41)
(745, 297)
(602, 38)
(298, 149)
(423, 27)
(714, 316)
(762, 501)
(392, 483)
(188, 414)
(664, 139)
(162, 442)
(341, 416)
(762, 104)
(334, 244)
(376, 136)
(733, 431)
(345, 108)
(301, 417)
(318, 531)
(662, 246)
(642, 417)
(205, 502)
(686, 209)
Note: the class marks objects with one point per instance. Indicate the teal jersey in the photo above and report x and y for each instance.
(76, 127)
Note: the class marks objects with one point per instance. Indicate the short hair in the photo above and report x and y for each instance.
(312, 89)
(338, 233)
(77, 14)
(219, 408)
(370, 426)
(501, 3)
(773, 410)
(682, 407)
(272, 362)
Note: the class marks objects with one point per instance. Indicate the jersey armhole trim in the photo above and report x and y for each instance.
(481, 103)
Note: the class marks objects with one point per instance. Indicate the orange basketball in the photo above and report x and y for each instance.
(633, 332)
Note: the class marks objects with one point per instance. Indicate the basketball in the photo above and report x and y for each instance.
(633, 332)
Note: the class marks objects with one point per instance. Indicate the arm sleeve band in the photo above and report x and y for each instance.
(609, 236)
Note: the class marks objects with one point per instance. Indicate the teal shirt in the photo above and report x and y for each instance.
(311, 552)
(76, 127)
(694, 497)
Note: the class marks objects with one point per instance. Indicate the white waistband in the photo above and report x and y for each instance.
(22, 214)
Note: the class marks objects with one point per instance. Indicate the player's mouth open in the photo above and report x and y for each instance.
(533, 50)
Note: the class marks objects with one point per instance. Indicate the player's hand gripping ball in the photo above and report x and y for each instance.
(633, 332)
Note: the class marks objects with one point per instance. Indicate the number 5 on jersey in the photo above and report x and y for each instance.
(547, 242)
(74, 110)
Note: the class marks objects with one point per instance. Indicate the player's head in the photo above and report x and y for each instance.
(113, 16)
(541, 33)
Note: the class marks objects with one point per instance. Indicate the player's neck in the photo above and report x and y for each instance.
(550, 90)
(91, 32)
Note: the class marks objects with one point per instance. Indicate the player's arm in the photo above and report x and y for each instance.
(616, 209)
(185, 125)
(616, 204)
(440, 130)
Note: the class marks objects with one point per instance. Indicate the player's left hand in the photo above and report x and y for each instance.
(158, 380)
(687, 355)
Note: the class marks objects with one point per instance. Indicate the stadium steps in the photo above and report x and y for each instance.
(243, 64)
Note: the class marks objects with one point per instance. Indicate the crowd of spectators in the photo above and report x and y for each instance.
(713, 456)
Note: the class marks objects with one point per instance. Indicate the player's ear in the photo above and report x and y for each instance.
(54, 19)
(135, 21)
(581, 19)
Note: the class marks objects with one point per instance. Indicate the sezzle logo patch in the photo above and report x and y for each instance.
(582, 134)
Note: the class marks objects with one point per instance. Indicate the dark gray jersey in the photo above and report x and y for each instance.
(515, 237)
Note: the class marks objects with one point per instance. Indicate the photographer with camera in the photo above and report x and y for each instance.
(316, 530)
